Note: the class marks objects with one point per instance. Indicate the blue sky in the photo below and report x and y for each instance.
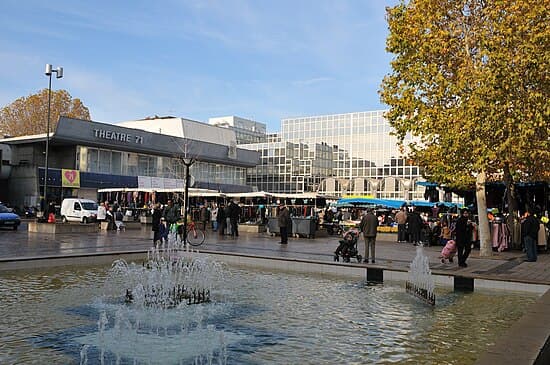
(263, 60)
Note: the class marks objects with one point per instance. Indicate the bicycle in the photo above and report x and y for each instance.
(195, 235)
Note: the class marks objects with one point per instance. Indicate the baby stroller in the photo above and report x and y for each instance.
(348, 246)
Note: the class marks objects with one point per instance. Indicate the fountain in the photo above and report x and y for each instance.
(153, 313)
(421, 283)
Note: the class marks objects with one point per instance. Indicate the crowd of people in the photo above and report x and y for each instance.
(456, 231)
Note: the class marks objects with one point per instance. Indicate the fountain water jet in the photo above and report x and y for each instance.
(155, 314)
(421, 282)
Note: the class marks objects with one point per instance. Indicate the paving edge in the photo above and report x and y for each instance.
(526, 342)
(442, 278)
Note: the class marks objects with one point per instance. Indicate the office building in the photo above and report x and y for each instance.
(366, 158)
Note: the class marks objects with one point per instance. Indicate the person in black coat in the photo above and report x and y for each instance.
(221, 219)
(414, 226)
(283, 220)
(204, 215)
(157, 214)
(110, 219)
(463, 237)
(234, 213)
(529, 231)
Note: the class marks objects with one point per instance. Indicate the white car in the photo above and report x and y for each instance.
(78, 210)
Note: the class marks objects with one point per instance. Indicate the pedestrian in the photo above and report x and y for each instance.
(221, 219)
(283, 219)
(163, 231)
(119, 218)
(414, 224)
(529, 231)
(214, 217)
(204, 215)
(401, 219)
(101, 212)
(369, 227)
(234, 214)
(171, 214)
(110, 218)
(445, 235)
(156, 215)
(463, 237)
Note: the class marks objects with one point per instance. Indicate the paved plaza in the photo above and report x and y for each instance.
(506, 266)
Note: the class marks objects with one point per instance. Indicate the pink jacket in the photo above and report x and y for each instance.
(449, 250)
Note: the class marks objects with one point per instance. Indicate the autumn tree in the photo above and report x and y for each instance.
(470, 84)
(28, 115)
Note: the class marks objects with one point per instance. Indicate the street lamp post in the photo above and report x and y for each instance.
(187, 162)
(58, 74)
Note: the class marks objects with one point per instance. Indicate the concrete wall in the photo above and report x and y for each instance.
(62, 157)
(23, 186)
(88, 193)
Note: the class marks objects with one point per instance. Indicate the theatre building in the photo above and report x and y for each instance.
(85, 156)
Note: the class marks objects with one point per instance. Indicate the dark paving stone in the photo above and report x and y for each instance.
(501, 269)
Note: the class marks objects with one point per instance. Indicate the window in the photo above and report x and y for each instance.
(116, 163)
(143, 164)
(104, 161)
(92, 160)
(132, 164)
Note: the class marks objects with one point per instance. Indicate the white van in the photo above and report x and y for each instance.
(78, 210)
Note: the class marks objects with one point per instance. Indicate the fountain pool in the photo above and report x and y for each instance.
(62, 316)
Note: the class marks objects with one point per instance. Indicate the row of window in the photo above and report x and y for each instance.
(134, 164)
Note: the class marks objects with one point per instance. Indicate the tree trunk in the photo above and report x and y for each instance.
(512, 221)
(485, 249)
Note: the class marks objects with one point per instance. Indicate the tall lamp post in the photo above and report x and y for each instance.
(187, 162)
(58, 74)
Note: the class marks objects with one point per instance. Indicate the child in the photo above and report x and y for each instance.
(163, 231)
(445, 233)
(119, 217)
(448, 251)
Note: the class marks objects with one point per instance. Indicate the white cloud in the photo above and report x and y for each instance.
(312, 81)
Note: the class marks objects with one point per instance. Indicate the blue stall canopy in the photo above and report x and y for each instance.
(388, 203)
(426, 183)
(370, 202)
(425, 203)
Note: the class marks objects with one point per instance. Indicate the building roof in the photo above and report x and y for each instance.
(201, 143)
(25, 139)
(184, 128)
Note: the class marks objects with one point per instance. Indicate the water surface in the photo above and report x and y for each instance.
(262, 317)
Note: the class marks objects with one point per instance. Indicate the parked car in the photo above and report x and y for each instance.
(78, 210)
(8, 218)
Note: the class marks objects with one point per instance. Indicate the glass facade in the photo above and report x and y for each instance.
(287, 167)
(246, 130)
(364, 158)
(104, 161)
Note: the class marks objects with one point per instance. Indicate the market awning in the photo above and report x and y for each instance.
(253, 194)
(192, 191)
(372, 202)
(388, 203)
(427, 183)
